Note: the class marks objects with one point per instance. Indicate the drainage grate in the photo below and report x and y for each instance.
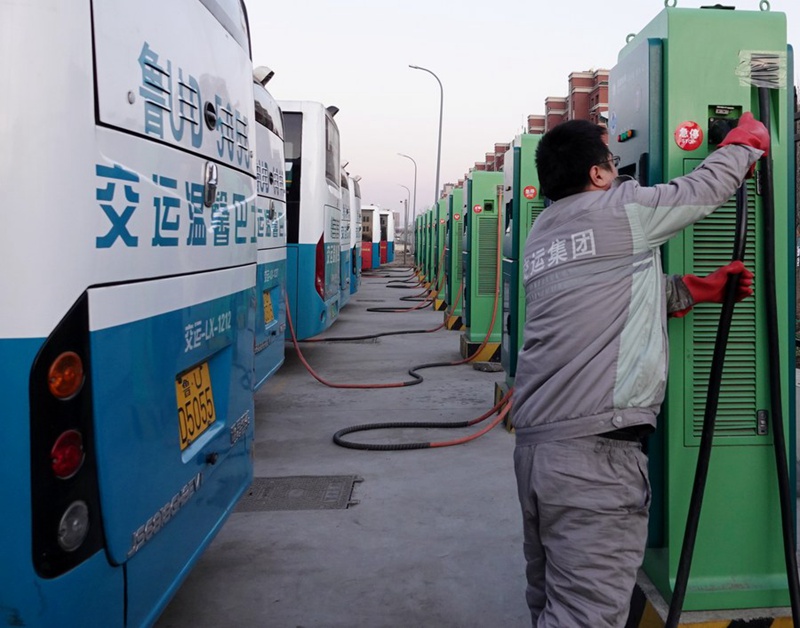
(300, 492)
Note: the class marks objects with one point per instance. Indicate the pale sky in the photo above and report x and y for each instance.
(497, 63)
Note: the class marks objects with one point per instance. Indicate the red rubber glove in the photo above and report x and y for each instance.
(749, 132)
(711, 289)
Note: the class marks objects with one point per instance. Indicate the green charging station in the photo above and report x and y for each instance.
(417, 244)
(677, 85)
(429, 235)
(454, 289)
(523, 204)
(428, 267)
(439, 231)
(431, 247)
(483, 215)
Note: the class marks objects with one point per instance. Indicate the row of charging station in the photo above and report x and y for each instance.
(457, 256)
(678, 86)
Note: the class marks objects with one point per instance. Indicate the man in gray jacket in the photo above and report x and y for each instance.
(592, 369)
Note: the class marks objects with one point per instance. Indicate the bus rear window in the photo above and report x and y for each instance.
(231, 14)
(269, 118)
(331, 151)
(292, 136)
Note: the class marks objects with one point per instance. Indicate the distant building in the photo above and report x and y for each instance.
(555, 111)
(536, 124)
(500, 151)
(587, 99)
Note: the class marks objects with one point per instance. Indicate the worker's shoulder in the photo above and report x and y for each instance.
(586, 206)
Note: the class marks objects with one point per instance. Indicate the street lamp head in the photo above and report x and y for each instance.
(441, 107)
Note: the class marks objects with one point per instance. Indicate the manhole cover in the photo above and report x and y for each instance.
(299, 492)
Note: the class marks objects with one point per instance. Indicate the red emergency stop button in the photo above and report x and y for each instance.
(689, 135)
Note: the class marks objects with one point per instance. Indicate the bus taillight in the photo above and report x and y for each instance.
(319, 270)
(66, 516)
(67, 454)
(66, 375)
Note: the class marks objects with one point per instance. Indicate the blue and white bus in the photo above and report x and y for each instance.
(313, 215)
(345, 268)
(370, 237)
(387, 236)
(355, 234)
(270, 232)
(127, 318)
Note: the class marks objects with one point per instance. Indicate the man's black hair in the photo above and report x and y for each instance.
(565, 154)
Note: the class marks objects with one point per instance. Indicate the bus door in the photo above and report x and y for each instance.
(366, 238)
(172, 350)
(384, 241)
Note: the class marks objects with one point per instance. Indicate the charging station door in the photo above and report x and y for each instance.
(441, 228)
(448, 249)
(510, 264)
(454, 269)
(429, 245)
(482, 227)
(524, 207)
(466, 251)
(675, 84)
(435, 250)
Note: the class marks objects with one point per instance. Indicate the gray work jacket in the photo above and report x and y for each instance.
(594, 353)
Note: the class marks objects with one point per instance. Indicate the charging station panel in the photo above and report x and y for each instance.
(428, 236)
(417, 241)
(439, 230)
(678, 86)
(523, 204)
(453, 243)
(480, 256)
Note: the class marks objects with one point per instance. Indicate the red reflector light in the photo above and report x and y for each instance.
(65, 377)
(319, 270)
(67, 454)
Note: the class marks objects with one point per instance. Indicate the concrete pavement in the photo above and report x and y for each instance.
(435, 539)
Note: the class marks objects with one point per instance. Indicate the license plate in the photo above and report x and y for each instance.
(196, 410)
(269, 314)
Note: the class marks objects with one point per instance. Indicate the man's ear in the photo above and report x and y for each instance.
(596, 177)
(599, 178)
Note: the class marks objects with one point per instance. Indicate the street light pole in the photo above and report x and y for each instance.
(414, 202)
(405, 230)
(441, 108)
